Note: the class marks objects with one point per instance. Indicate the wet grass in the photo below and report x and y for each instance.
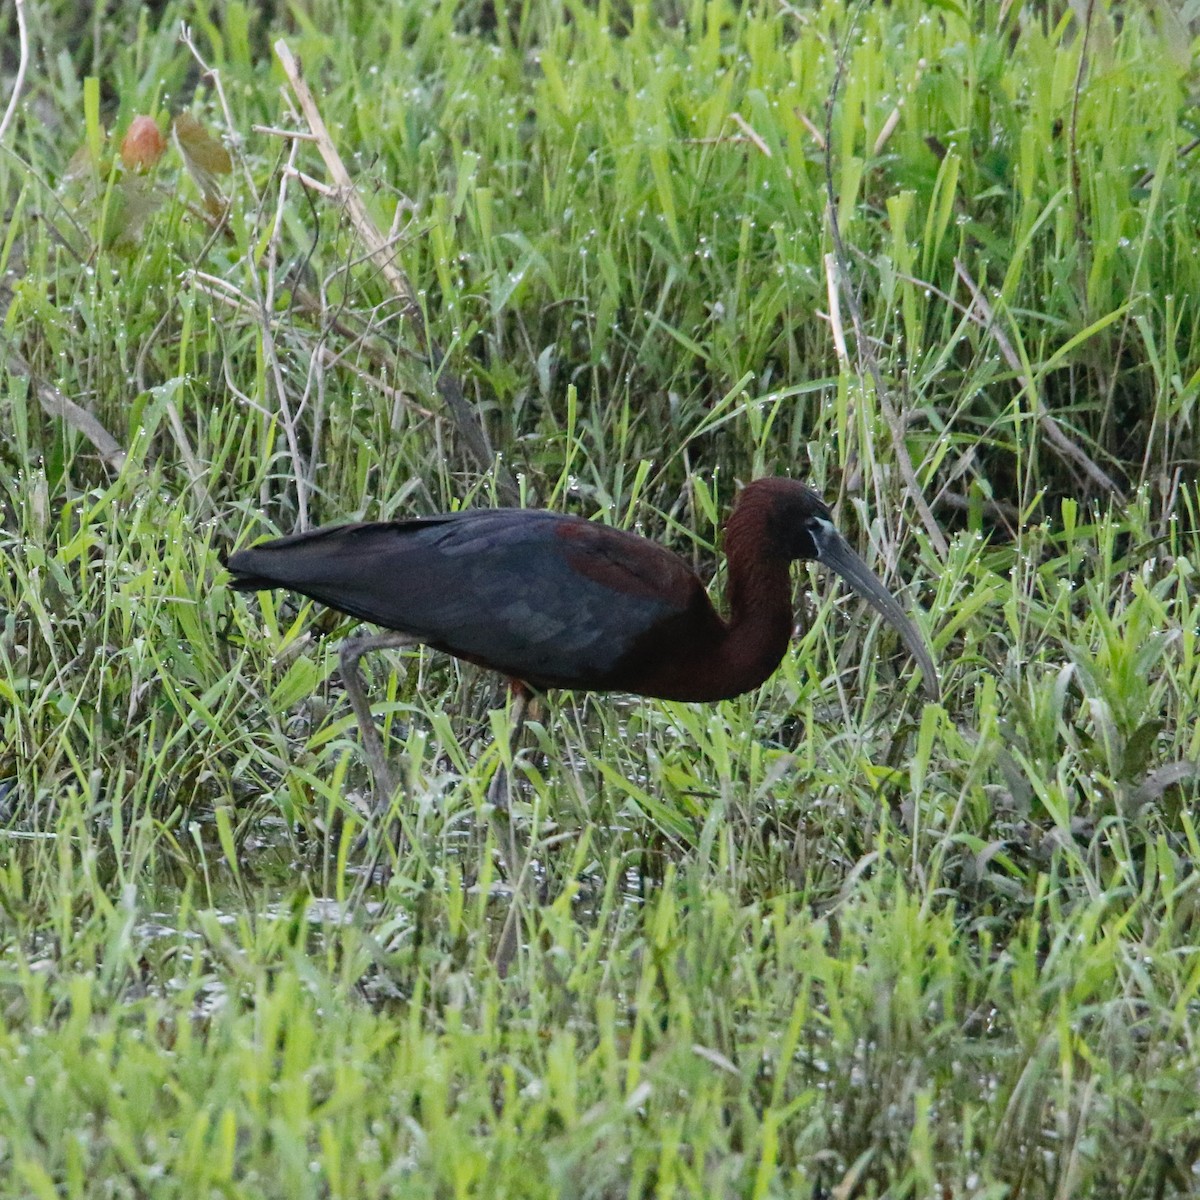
(824, 939)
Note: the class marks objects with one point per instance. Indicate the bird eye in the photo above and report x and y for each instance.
(822, 531)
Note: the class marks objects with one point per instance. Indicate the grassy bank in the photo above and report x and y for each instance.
(824, 939)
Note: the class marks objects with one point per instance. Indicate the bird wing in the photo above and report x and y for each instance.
(551, 599)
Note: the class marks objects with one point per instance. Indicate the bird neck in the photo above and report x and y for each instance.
(759, 595)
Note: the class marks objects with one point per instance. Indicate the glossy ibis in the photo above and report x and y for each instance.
(557, 601)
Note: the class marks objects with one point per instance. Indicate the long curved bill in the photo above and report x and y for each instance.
(834, 552)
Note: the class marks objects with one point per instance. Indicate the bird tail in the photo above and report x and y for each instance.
(301, 558)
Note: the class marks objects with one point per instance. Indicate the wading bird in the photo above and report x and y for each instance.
(556, 601)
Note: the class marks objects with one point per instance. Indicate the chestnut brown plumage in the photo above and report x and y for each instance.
(557, 601)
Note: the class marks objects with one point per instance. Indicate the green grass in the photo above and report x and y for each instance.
(820, 940)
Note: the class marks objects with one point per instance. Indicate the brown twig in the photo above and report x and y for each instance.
(813, 132)
(1187, 148)
(1048, 425)
(79, 419)
(445, 381)
(998, 511)
(749, 131)
(302, 465)
(867, 357)
(226, 293)
(22, 66)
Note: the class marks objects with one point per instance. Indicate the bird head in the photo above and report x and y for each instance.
(801, 525)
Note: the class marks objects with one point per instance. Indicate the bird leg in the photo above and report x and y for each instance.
(352, 649)
(499, 793)
(500, 789)
(500, 803)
